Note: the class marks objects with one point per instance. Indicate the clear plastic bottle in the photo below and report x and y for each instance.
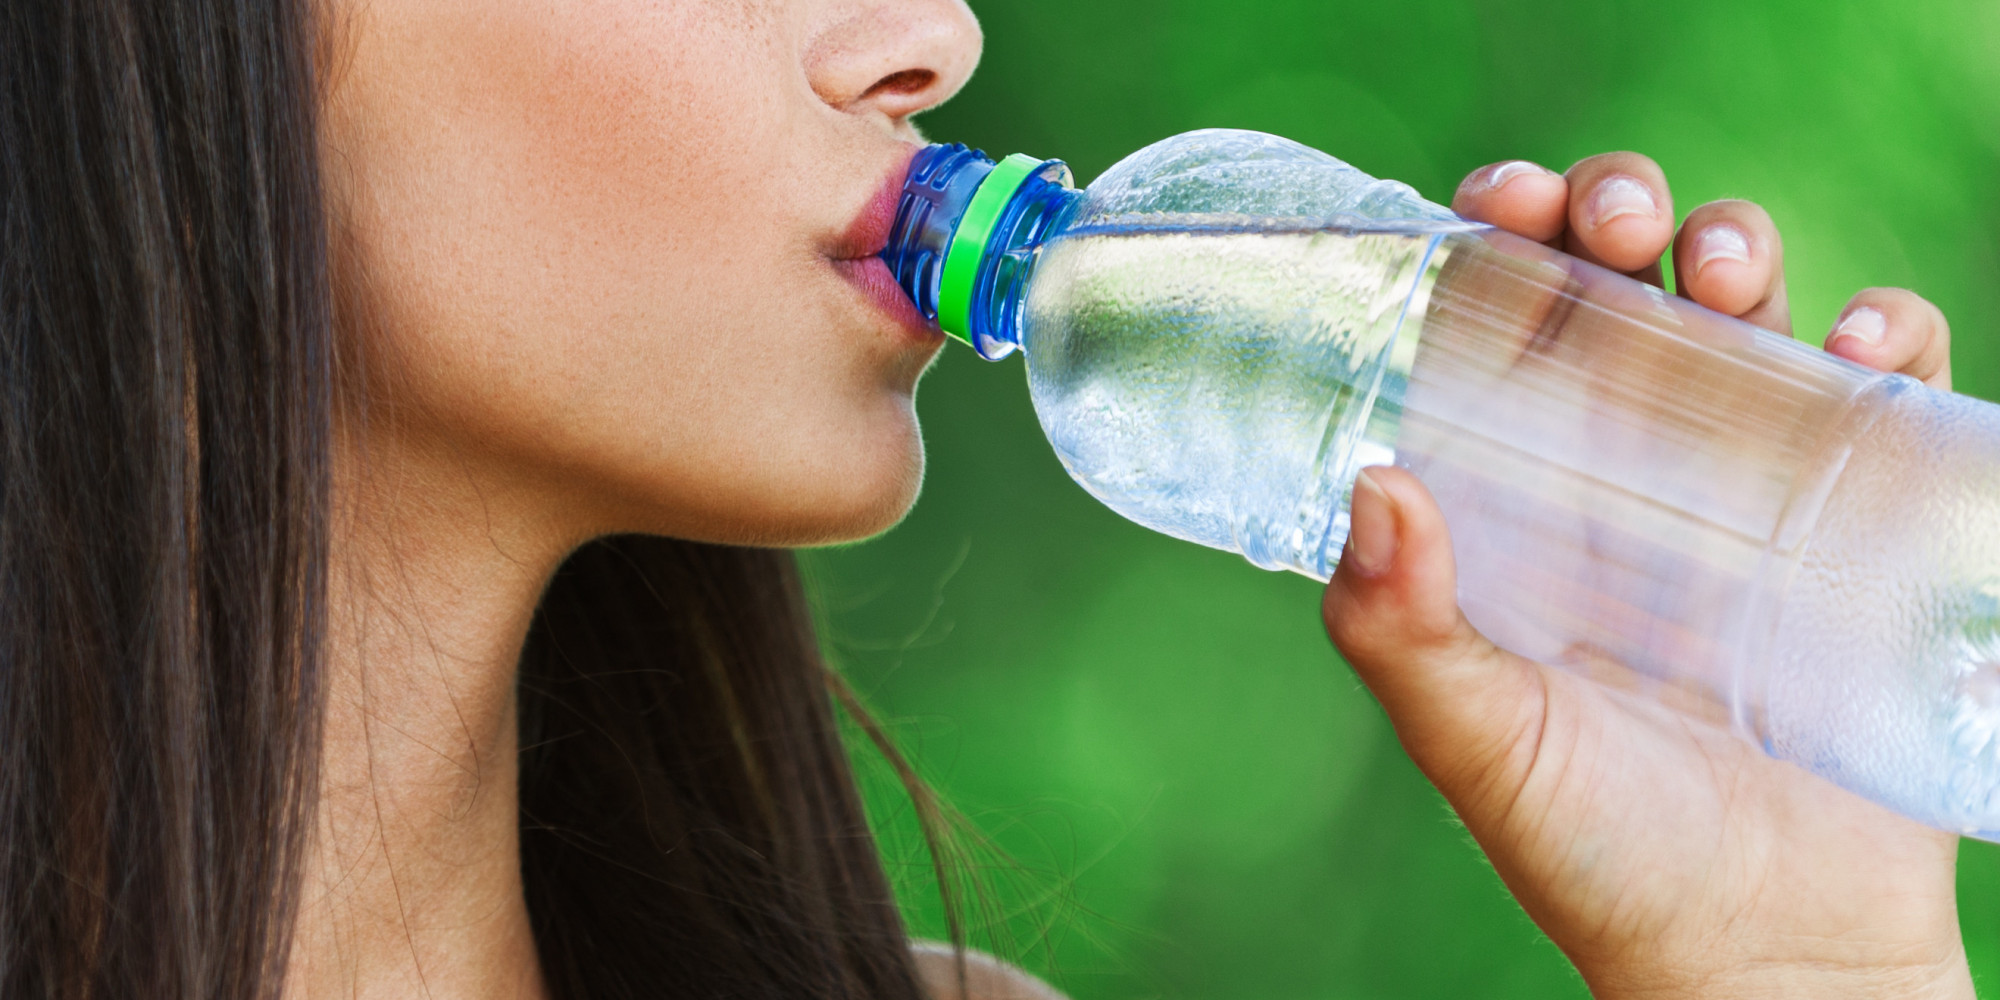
(1225, 327)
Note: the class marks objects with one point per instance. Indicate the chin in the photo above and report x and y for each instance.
(862, 486)
(867, 500)
(828, 497)
(835, 482)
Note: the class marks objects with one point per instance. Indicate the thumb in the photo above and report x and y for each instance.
(1465, 710)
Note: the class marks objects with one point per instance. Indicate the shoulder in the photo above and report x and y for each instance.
(986, 977)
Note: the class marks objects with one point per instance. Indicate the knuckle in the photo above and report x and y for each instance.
(1348, 624)
(1388, 630)
(1444, 635)
(1446, 631)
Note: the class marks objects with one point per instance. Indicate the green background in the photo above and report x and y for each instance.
(1199, 799)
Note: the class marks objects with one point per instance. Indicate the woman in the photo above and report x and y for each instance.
(405, 402)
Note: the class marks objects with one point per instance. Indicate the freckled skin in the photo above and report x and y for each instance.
(593, 237)
(597, 270)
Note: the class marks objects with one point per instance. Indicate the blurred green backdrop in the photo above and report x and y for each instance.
(1200, 799)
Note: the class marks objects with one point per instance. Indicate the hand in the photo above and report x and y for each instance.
(1667, 858)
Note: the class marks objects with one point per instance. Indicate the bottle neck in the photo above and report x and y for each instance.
(1037, 212)
(965, 238)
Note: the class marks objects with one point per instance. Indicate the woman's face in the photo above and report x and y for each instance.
(619, 254)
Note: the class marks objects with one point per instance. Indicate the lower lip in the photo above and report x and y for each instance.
(871, 275)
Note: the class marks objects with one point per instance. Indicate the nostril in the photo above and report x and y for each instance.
(909, 81)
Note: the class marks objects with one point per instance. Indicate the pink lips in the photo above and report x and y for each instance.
(869, 232)
(871, 275)
(856, 255)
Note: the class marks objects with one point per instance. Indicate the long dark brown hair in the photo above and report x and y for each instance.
(690, 826)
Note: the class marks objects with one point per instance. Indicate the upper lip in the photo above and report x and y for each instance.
(868, 234)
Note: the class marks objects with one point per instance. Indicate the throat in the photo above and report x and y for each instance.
(411, 882)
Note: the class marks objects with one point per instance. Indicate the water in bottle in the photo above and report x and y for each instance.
(1225, 327)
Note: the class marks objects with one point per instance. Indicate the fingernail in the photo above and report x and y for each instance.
(1865, 324)
(1721, 243)
(1371, 529)
(1498, 176)
(1618, 197)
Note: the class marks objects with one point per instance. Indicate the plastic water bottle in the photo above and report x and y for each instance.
(1225, 327)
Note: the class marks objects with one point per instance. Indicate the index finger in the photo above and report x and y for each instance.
(1523, 198)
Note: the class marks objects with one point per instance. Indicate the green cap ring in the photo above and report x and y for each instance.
(968, 241)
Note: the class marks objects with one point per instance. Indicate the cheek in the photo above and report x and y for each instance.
(572, 232)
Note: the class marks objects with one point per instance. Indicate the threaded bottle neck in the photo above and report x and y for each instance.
(963, 240)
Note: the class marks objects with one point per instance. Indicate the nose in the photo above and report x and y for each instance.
(893, 57)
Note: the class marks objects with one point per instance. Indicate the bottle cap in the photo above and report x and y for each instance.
(968, 242)
(956, 205)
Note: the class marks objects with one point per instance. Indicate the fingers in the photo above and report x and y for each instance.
(1729, 257)
(1616, 210)
(1621, 214)
(1895, 330)
(1521, 197)
(1460, 705)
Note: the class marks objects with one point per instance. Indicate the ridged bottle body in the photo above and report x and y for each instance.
(1229, 326)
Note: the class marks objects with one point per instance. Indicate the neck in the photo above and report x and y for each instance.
(412, 881)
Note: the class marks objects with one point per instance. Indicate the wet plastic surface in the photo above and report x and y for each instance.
(1641, 490)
